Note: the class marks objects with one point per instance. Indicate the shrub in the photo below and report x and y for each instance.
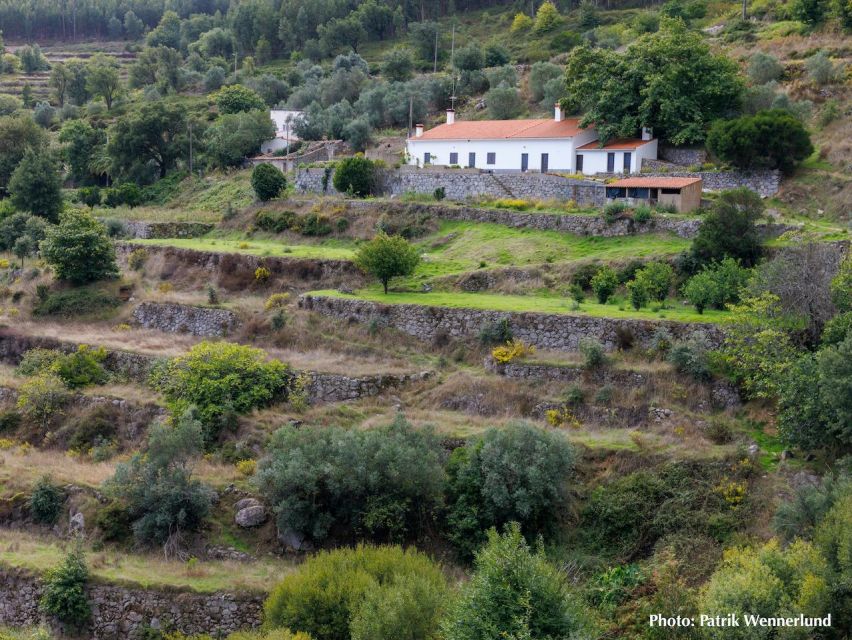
(381, 484)
(770, 139)
(79, 250)
(604, 283)
(603, 396)
(642, 214)
(821, 70)
(439, 193)
(386, 257)
(267, 181)
(114, 522)
(64, 594)
(236, 98)
(613, 211)
(274, 221)
(46, 501)
(512, 350)
(657, 279)
(136, 259)
(276, 301)
(97, 425)
(764, 67)
(517, 473)
(220, 378)
(365, 593)
(692, 357)
(837, 329)
(495, 332)
(41, 398)
(514, 593)
(126, 193)
(719, 430)
(593, 353)
(314, 225)
(162, 499)
(246, 468)
(546, 18)
(729, 230)
(89, 196)
(584, 274)
(262, 274)
(639, 294)
(75, 302)
(504, 103)
(521, 22)
(83, 367)
(355, 176)
(717, 285)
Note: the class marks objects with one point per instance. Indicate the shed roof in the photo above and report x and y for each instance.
(503, 129)
(655, 183)
(621, 143)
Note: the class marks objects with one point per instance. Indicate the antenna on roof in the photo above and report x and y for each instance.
(453, 68)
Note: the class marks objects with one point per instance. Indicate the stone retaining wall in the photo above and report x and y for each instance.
(545, 331)
(121, 612)
(143, 230)
(235, 271)
(463, 184)
(169, 317)
(685, 156)
(323, 387)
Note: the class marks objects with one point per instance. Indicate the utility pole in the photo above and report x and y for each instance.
(435, 68)
(235, 63)
(189, 124)
(410, 114)
(745, 9)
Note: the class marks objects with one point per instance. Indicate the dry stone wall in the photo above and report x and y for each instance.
(144, 230)
(121, 612)
(546, 331)
(169, 317)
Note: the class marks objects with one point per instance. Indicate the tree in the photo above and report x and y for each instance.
(80, 141)
(18, 134)
(657, 279)
(35, 185)
(78, 83)
(504, 103)
(841, 286)
(167, 32)
(365, 593)
(133, 26)
(236, 98)
(157, 488)
(64, 594)
(267, 181)
(769, 139)
(338, 33)
(604, 283)
(382, 484)
(24, 247)
(764, 67)
(496, 55)
(540, 74)
(32, 59)
(716, 285)
(155, 133)
(821, 69)
(102, 78)
(767, 582)
(669, 80)
(234, 136)
(811, 12)
(469, 58)
(46, 501)
(221, 380)
(355, 176)
(514, 593)
(517, 474)
(397, 64)
(815, 404)
(730, 229)
(546, 18)
(386, 257)
(60, 76)
(79, 249)
(425, 37)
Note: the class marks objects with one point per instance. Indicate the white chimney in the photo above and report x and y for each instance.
(451, 116)
(557, 113)
(647, 133)
(418, 130)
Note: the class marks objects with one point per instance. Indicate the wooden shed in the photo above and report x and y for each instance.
(683, 193)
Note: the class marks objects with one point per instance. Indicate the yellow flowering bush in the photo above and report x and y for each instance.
(512, 350)
(276, 301)
(562, 417)
(261, 274)
(246, 468)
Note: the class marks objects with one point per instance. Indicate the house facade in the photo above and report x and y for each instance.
(284, 120)
(684, 194)
(541, 145)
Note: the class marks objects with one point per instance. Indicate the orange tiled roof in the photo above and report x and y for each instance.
(500, 129)
(661, 183)
(622, 143)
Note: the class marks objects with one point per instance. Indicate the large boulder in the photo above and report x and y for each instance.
(252, 516)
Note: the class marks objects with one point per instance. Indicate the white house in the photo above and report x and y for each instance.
(557, 144)
(284, 120)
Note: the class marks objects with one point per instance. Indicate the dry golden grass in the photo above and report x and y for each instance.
(19, 471)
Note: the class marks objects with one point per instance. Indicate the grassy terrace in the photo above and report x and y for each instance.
(332, 250)
(35, 553)
(535, 303)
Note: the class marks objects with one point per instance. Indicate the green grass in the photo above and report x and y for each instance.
(533, 303)
(329, 251)
(29, 551)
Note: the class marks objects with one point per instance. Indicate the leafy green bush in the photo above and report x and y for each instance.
(604, 283)
(220, 379)
(729, 230)
(514, 593)
(495, 332)
(355, 176)
(162, 499)
(384, 484)
(517, 473)
(79, 250)
(717, 285)
(386, 257)
(114, 522)
(127, 193)
(584, 274)
(236, 98)
(89, 196)
(614, 210)
(41, 398)
(314, 225)
(365, 593)
(267, 181)
(837, 329)
(96, 425)
(274, 221)
(64, 594)
(691, 357)
(46, 501)
(593, 353)
(642, 214)
(656, 278)
(77, 369)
